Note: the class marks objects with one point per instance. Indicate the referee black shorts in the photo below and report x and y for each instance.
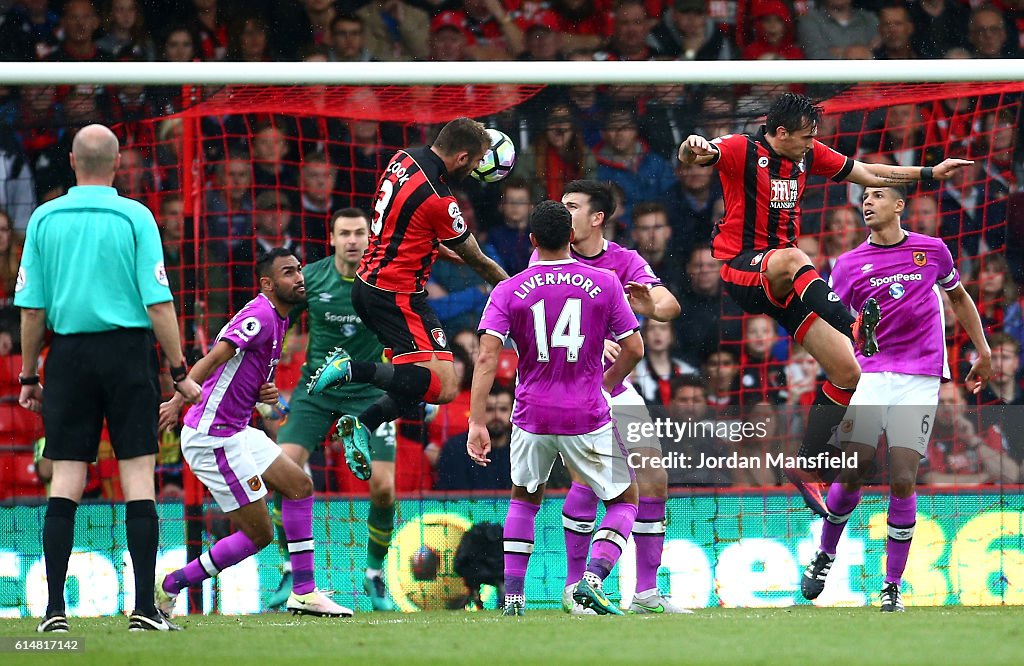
(744, 280)
(407, 327)
(92, 376)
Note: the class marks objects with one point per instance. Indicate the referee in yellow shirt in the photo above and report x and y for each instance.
(93, 273)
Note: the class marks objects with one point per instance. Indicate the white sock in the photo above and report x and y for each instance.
(372, 573)
(646, 594)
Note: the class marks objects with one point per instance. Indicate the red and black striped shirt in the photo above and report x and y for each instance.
(762, 192)
(414, 212)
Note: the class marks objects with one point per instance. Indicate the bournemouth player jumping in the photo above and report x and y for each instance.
(414, 213)
(237, 462)
(899, 386)
(763, 179)
(559, 312)
(590, 203)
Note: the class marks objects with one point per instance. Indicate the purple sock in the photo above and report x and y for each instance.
(902, 519)
(227, 552)
(578, 514)
(518, 544)
(610, 538)
(649, 536)
(297, 521)
(840, 505)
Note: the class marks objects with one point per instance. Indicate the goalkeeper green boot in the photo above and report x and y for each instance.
(283, 591)
(335, 371)
(356, 440)
(378, 592)
(588, 593)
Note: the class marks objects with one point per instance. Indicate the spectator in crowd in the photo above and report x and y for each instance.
(1004, 387)
(630, 28)
(689, 406)
(754, 448)
(938, 26)
(557, 155)
(179, 45)
(348, 39)
(171, 220)
(271, 221)
(658, 367)
(584, 24)
(707, 315)
(124, 32)
(923, 215)
(360, 160)
(972, 207)
(210, 27)
(668, 118)
(895, 33)
(685, 33)
(495, 34)
(249, 41)
(317, 179)
(842, 233)
(722, 387)
(511, 238)
(298, 25)
(690, 202)
(624, 159)
(78, 24)
(449, 38)
(28, 31)
(134, 177)
(17, 188)
(270, 170)
(229, 203)
(1000, 139)
(774, 33)
(452, 419)
(394, 30)
(825, 32)
(651, 235)
(10, 259)
(762, 375)
(542, 40)
(802, 376)
(39, 122)
(588, 108)
(987, 34)
(958, 454)
(455, 470)
(993, 289)
(53, 174)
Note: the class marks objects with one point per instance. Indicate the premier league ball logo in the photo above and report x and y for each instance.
(896, 290)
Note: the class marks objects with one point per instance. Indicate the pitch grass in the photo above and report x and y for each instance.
(800, 635)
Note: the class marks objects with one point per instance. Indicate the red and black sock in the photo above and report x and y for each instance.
(830, 403)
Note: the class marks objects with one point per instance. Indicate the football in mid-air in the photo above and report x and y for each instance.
(499, 160)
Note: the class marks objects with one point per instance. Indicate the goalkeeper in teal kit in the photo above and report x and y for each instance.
(332, 323)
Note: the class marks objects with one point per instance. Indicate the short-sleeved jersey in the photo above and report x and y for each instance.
(558, 314)
(905, 279)
(231, 392)
(627, 265)
(414, 211)
(333, 322)
(762, 191)
(93, 260)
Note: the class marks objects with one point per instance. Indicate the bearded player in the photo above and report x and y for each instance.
(899, 386)
(763, 178)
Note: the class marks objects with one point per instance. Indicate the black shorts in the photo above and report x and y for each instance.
(743, 279)
(92, 376)
(409, 330)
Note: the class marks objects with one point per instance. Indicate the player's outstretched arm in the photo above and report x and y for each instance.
(221, 353)
(967, 314)
(695, 149)
(655, 302)
(883, 175)
(470, 252)
(630, 352)
(478, 443)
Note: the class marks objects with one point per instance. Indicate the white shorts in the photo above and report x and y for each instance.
(230, 467)
(598, 458)
(629, 413)
(902, 406)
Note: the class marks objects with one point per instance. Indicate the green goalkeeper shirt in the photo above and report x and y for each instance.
(333, 322)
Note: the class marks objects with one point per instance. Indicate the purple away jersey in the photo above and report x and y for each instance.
(558, 314)
(627, 265)
(230, 393)
(905, 279)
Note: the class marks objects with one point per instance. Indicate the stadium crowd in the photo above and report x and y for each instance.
(274, 180)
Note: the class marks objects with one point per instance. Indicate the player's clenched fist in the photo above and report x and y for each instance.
(693, 147)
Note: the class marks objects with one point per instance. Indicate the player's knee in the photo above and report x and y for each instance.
(382, 489)
(850, 480)
(902, 485)
(449, 389)
(652, 482)
(262, 535)
(846, 376)
(303, 487)
(788, 261)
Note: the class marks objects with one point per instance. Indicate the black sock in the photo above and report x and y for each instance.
(143, 530)
(58, 539)
(388, 408)
(818, 296)
(406, 380)
(824, 417)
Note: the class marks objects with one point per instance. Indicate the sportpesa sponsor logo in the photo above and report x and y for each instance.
(899, 277)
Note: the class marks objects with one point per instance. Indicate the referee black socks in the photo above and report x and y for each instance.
(816, 294)
(143, 530)
(58, 538)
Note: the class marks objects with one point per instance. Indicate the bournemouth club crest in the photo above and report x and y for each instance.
(920, 258)
(439, 338)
